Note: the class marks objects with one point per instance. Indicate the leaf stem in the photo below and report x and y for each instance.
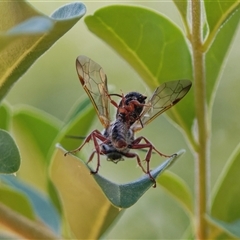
(201, 114)
(23, 226)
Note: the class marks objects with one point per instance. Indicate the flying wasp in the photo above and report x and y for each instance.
(134, 112)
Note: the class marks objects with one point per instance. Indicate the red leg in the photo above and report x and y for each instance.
(136, 145)
(92, 136)
(133, 155)
(98, 160)
(112, 101)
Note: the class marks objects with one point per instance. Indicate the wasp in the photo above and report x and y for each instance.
(134, 112)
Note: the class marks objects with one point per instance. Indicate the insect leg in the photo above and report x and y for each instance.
(137, 145)
(132, 155)
(94, 134)
(98, 160)
(147, 144)
(87, 139)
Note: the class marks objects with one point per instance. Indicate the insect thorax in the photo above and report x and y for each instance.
(130, 107)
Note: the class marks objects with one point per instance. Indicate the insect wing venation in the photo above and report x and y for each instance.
(94, 82)
(163, 98)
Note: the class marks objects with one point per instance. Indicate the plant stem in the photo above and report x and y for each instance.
(201, 114)
(23, 226)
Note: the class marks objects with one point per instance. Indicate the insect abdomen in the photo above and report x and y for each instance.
(119, 135)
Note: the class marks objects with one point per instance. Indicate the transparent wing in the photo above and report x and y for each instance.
(163, 98)
(94, 82)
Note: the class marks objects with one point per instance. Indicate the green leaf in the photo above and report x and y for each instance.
(34, 132)
(225, 204)
(79, 121)
(152, 45)
(33, 26)
(83, 202)
(218, 12)
(232, 229)
(17, 201)
(178, 189)
(42, 126)
(9, 153)
(42, 206)
(79, 108)
(147, 40)
(5, 116)
(182, 7)
(125, 195)
(53, 194)
(217, 51)
(27, 34)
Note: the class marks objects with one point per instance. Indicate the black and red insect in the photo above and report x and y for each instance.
(134, 112)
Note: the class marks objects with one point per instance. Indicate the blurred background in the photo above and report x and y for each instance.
(52, 85)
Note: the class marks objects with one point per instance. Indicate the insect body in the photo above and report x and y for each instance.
(133, 113)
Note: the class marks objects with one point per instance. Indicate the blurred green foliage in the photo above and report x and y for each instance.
(51, 88)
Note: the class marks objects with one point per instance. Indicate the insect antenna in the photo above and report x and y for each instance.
(115, 94)
(75, 137)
